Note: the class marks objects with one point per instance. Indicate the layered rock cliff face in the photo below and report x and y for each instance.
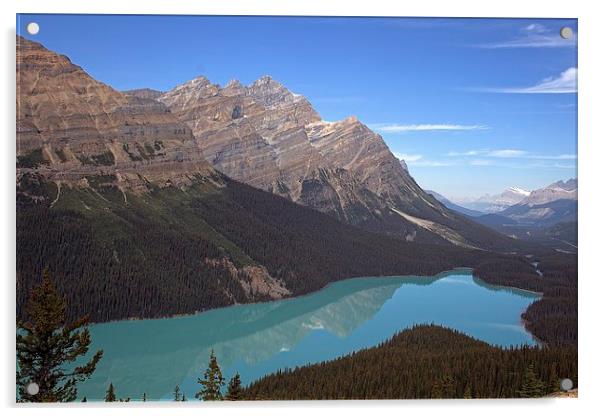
(255, 134)
(268, 137)
(70, 125)
(144, 93)
(79, 141)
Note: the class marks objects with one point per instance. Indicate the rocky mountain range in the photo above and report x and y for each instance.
(270, 138)
(491, 204)
(550, 205)
(498, 203)
(547, 216)
(553, 192)
(136, 202)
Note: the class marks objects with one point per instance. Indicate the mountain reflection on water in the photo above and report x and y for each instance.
(152, 356)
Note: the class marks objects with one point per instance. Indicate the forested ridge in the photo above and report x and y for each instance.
(426, 361)
(552, 319)
(117, 255)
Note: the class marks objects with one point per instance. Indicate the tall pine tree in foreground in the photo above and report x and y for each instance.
(177, 395)
(48, 346)
(212, 382)
(110, 395)
(234, 392)
(532, 386)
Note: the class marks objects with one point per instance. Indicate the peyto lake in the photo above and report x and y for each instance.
(152, 356)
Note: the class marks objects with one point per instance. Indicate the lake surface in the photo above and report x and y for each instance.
(153, 356)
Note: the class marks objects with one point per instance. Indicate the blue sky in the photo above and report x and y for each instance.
(473, 105)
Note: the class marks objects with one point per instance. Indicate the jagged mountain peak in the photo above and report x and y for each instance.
(193, 91)
(198, 84)
(234, 83)
(270, 93)
(200, 79)
(568, 185)
(234, 88)
(264, 80)
(270, 138)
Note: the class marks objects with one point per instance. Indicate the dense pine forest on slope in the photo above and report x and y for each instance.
(171, 251)
(561, 237)
(425, 362)
(552, 319)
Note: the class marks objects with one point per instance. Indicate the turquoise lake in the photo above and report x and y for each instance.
(152, 356)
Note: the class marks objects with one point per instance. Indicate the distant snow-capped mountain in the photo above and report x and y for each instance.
(498, 202)
(550, 205)
(546, 206)
(554, 192)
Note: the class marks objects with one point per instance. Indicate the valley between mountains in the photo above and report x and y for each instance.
(147, 204)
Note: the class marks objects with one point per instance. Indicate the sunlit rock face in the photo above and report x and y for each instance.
(273, 139)
(69, 125)
(253, 134)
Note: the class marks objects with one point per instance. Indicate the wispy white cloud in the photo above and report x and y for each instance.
(466, 153)
(500, 158)
(507, 153)
(534, 35)
(518, 164)
(535, 28)
(561, 166)
(565, 83)
(553, 157)
(481, 162)
(416, 160)
(402, 128)
(511, 154)
(407, 157)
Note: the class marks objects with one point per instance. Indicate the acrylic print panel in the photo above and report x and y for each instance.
(278, 208)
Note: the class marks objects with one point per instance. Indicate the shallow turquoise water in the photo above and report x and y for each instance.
(153, 356)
